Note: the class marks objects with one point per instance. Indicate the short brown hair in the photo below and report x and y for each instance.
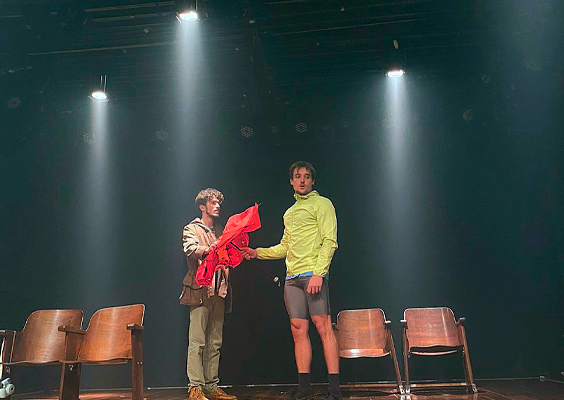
(301, 164)
(207, 194)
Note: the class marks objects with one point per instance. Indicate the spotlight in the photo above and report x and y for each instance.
(161, 134)
(14, 102)
(301, 127)
(89, 138)
(468, 115)
(100, 95)
(247, 131)
(396, 73)
(189, 15)
(187, 10)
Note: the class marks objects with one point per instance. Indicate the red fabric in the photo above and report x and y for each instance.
(225, 252)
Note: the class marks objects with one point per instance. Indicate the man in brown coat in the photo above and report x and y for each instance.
(207, 304)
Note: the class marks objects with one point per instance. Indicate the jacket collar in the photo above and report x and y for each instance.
(299, 197)
(199, 222)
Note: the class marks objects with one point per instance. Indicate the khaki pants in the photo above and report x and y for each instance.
(204, 342)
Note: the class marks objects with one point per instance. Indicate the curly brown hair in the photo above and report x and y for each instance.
(207, 194)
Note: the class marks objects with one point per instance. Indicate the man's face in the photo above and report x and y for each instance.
(212, 207)
(302, 181)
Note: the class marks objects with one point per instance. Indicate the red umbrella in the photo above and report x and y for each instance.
(226, 252)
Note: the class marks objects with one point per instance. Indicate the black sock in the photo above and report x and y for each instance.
(334, 384)
(304, 383)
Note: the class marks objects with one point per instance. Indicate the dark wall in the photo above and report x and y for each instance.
(462, 211)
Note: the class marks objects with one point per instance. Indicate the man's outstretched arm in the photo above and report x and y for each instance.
(249, 253)
(270, 253)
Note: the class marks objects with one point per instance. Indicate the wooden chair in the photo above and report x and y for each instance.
(39, 342)
(114, 336)
(366, 333)
(435, 332)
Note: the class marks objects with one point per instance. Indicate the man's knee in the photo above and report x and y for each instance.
(196, 345)
(215, 342)
(196, 340)
(299, 327)
(322, 324)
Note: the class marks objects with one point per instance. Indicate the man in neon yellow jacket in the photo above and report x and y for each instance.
(308, 244)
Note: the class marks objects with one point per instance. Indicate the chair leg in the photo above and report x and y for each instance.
(406, 373)
(70, 381)
(405, 356)
(6, 350)
(395, 361)
(470, 384)
(6, 372)
(137, 364)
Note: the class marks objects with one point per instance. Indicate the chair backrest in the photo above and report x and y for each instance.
(362, 333)
(40, 341)
(431, 327)
(107, 337)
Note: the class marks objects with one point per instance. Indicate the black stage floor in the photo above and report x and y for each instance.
(502, 389)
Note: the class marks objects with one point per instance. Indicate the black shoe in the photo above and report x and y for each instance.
(297, 395)
(333, 396)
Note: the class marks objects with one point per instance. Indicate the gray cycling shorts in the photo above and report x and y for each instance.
(300, 304)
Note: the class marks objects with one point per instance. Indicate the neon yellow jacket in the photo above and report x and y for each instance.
(310, 236)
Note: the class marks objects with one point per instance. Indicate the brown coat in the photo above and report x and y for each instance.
(196, 238)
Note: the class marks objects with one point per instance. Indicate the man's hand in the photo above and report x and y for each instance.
(315, 284)
(249, 253)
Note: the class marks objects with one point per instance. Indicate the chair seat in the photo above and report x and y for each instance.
(106, 362)
(357, 353)
(437, 350)
(31, 363)
(39, 342)
(113, 361)
(114, 336)
(435, 331)
(365, 333)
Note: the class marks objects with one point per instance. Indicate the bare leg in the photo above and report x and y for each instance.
(302, 344)
(329, 341)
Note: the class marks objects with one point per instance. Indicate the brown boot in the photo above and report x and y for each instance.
(219, 394)
(196, 393)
